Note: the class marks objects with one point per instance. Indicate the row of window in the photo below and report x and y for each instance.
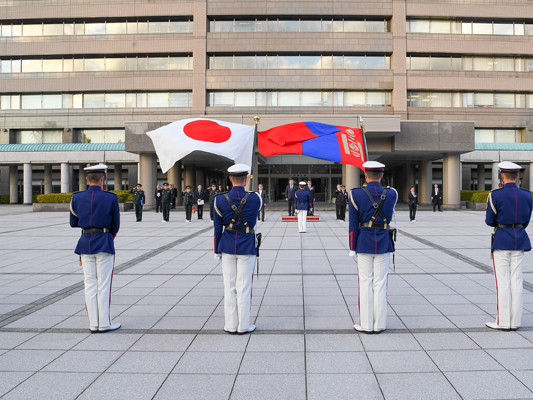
(97, 28)
(130, 63)
(95, 100)
(469, 27)
(469, 99)
(468, 63)
(277, 61)
(489, 135)
(298, 25)
(80, 136)
(324, 98)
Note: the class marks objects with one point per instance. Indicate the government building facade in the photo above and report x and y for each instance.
(445, 89)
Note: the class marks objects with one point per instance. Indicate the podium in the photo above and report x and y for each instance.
(313, 218)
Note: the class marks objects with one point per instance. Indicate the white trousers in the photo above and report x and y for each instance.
(302, 220)
(98, 276)
(237, 271)
(509, 280)
(372, 270)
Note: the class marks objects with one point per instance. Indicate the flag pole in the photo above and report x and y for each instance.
(256, 120)
(362, 127)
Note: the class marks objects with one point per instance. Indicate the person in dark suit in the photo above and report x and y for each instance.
(509, 212)
(200, 200)
(188, 202)
(290, 191)
(436, 197)
(138, 201)
(166, 201)
(341, 202)
(174, 195)
(311, 189)
(413, 204)
(157, 197)
(263, 194)
(335, 196)
(97, 213)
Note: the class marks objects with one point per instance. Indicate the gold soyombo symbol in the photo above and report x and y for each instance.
(350, 143)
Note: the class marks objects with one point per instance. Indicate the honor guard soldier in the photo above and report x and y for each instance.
(509, 212)
(302, 200)
(235, 242)
(371, 210)
(166, 202)
(97, 213)
(188, 201)
(138, 201)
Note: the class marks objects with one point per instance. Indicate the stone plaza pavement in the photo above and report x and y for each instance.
(167, 293)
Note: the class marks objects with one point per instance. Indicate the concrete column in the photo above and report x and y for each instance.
(200, 178)
(65, 178)
(408, 180)
(13, 184)
(47, 178)
(351, 176)
(481, 176)
(148, 176)
(174, 178)
(451, 167)
(495, 175)
(27, 183)
(82, 175)
(189, 176)
(425, 177)
(117, 177)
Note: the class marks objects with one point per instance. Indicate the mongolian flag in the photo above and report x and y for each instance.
(327, 142)
(174, 141)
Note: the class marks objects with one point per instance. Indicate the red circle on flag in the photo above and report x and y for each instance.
(207, 131)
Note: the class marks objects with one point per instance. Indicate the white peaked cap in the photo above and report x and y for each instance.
(96, 168)
(509, 166)
(303, 183)
(373, 165)
(239, 169)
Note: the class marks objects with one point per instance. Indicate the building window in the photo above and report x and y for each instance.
(491, 135)
(90, 27)
(469, 99)
(468, 27)
(469, 63)
(277, 61)
(296, 24)
(308, 98)
(39, 136)
(101, 135)
(95, 100)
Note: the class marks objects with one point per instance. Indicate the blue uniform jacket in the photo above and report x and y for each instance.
(370, 240)
(302, 199)
(507, 206)
(95, 208)
(232, 242)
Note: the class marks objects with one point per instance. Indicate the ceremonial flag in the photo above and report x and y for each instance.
(327, 142)
(174, 141)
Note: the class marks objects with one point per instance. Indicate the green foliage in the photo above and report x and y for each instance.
(123, 196)
(4, 199)
(480, 196)
(466, 195)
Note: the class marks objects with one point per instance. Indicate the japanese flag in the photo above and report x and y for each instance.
(174, 141)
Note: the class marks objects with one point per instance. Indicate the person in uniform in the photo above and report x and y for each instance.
(290, 190)
(166, 201)
(371, 243)
(311, 189)
(303, 201)
(436, 197)
(97, 213)
(235, 243)
(138, 201)
(212, 194)
(262, 192)
(413, 204)
(341, 202)
(335, 196)
(509, 212)
(188, 201)
(157, 197)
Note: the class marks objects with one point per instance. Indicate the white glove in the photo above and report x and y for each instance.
(352, 254)
(217, 257)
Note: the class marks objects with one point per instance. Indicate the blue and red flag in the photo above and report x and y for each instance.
(327, 142)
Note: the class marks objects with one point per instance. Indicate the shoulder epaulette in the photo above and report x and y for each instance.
(499, 188)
